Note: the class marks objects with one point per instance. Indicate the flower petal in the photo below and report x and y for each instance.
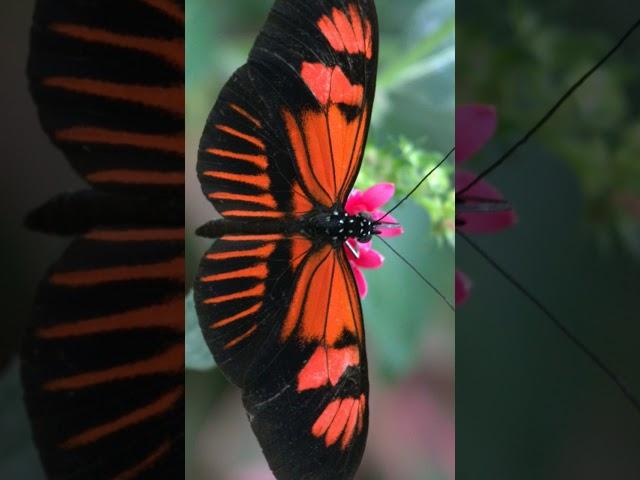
(369, 258)
(463, 287)
(475, 125)
(354, 204)
(378, 195)
(481, 222)
(361, 282)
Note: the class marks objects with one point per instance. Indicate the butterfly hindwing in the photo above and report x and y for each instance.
(102, 363)
(282, 317)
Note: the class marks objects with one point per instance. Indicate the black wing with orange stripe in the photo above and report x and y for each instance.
(278, 305)
(108, 79)
(103, 360)
(288, 131)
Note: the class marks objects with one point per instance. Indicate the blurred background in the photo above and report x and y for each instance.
(33, 172)
(410, 331)
(529, 404)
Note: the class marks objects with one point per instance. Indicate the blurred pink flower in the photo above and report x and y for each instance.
(370, 201)
(257, 472)
(463, 286)
(475, 125)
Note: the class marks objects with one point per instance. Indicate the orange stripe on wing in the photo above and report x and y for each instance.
(172, 269)
(257, 271)
(166, 98)
(346, 34)
(167, 7)
(256, 291)
(259, 161)
(246, 114)
(153, 409)
(350, 427)
(253, 214)
(142, 235)
(165, 143)
(145, 464)
(137, 177)
(339, 422)
(249, 138)
(237, 316)
(308, 167)
(156, 316)
(260, 252)
(252, 238)
(170, 361)
(242, 337)
(260, 181)
(265, 199)
(323, 422)
(171, 51)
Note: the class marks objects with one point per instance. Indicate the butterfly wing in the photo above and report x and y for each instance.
(283, 319)
(281, 312)
(102, 361)
(288, 131)
(108, 80)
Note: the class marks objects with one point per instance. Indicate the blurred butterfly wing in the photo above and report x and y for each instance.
(102, 360)
(102, 363)
(288, 130)
(108, 80)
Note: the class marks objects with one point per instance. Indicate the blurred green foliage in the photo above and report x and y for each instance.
(597, 132)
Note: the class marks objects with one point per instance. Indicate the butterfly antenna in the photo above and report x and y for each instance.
(417, 272)
(413, 190)
(563, 328)
(551, 111)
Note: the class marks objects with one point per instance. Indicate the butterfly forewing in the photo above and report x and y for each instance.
(279, 307)
(109, 84)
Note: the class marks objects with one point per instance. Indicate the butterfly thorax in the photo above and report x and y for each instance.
(337, 226)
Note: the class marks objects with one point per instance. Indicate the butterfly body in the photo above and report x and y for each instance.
(333, 226)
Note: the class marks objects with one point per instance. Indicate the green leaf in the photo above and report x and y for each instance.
(197, 354)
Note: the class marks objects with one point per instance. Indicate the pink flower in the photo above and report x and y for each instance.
(369, 201)
(475, 125)
(463, 287)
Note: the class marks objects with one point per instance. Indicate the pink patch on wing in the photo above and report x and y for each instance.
(330, 84)
(347, 33)
(327, 365)
(340, 419)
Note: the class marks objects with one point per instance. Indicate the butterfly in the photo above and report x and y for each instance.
(275, 295)
(103, 358)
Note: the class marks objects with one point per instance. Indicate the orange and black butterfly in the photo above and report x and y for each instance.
(275, 294)
(102, 362)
